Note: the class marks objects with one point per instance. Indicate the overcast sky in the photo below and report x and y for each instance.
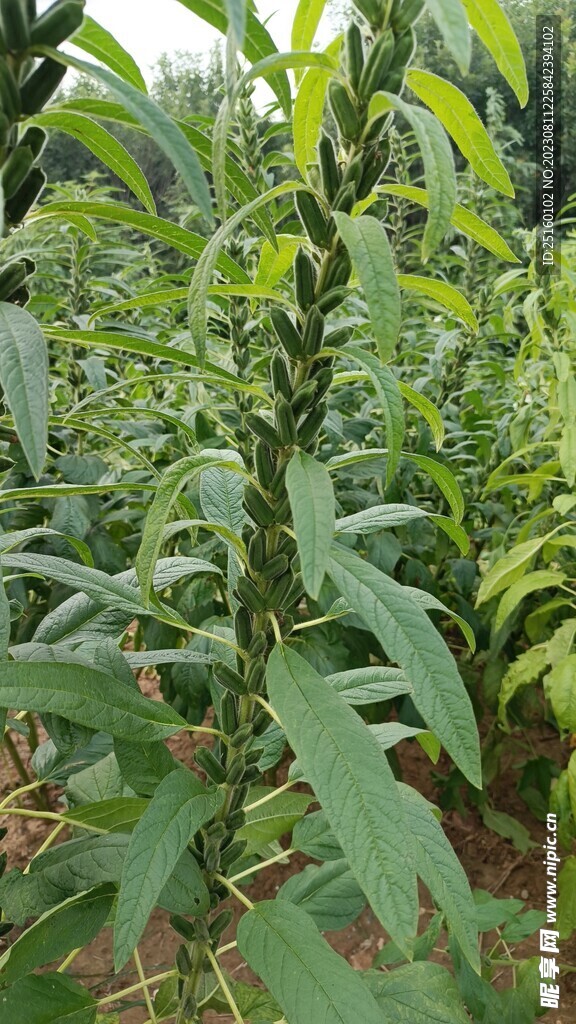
(147, 28)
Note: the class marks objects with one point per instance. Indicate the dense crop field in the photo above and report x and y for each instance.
(287, 521)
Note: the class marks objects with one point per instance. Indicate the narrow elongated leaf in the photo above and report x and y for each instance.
(159, 298)
(87, 697)
(410, 639)
(367, 242)
(419, 993)
(59, 874)
(142, 659)
(180, 805)
(102, 588)
(313, 507)
(105, 147)
(257, 41)
(98, 42)
(441, 871)
(369, 685)
(221, 492)
(461, 121)
(162, 128)
(439, 171)
(80, 618)
(462, 219)
(5, 628)
(17, 537)
(237, 181)
(24, 380)
(45, 998)
(510, 568)
(430, 413)
(354, 784)
(306, 21)
(455, 532)
(567, 453)
(440, 474)
(443, 293)
(173, 481)
(68, 926)
(388, 391)
(288, 61)
(431, 603)
(173, 235)
(379, 517)
(284, 947)
(445, 480)
(559, 688)
(451, 19)
(330, 894)
(490, 21)
(541, 579)
(97, 339)
(120, 814)
(308, 112)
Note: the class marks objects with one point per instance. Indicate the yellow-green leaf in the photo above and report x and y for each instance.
(308, 111)
(443, 293)
(461, 121)
(462, 219)
(491, 23)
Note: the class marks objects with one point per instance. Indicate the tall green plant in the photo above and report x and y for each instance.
(148, 831)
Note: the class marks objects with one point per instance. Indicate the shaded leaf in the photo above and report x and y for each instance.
(24, 380)
(330, 894)
(45, 998)
(417, 994)
(72, 924)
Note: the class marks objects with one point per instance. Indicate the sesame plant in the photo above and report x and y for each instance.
(254, 534)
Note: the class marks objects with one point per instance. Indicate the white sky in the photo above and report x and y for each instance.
(147, 28)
